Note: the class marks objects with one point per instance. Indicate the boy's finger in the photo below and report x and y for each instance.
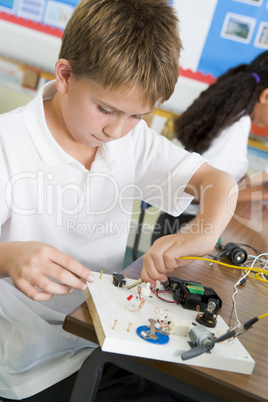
(150, 273)
(49, 286)
(71, 265)
(32, 292)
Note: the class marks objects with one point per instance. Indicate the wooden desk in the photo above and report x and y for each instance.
(252, 300)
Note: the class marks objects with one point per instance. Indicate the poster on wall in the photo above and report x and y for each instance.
(46, 16)
(237, 34)
(220, 34)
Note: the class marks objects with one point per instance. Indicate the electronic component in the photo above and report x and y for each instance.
(163, 319)
(179, 327)
(134, 303)
(119, 280)
(115, 322)
(191, 294)
(138, 282)
(145, 289)
(233, 252)
(208, 318)
(152, 334)
(202, 339)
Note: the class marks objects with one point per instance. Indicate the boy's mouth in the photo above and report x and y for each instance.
(99, 139)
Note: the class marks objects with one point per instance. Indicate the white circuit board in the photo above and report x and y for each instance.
(119, 324)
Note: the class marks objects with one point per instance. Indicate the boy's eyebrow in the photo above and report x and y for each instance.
(120, 111)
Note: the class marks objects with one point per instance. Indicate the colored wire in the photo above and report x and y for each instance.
(260, 275)
(161, 298)
(262, 316)
(239, 282)
(224, 264)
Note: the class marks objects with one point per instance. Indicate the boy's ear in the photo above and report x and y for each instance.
(63, 72)
(264, 96)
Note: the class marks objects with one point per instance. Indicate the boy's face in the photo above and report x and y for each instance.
(93, 115)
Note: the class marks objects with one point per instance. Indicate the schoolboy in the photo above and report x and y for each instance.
(72, 161)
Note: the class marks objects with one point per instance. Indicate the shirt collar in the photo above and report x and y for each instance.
(47, 147)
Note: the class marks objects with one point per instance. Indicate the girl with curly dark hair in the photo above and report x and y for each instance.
(218, 123)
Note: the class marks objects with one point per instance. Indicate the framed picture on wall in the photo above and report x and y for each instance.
(57, 14)
(253, 2)
(262, 36)
(238, 27)
(33, 12)
(6, 5)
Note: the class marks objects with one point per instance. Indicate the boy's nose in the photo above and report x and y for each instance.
(115, 128)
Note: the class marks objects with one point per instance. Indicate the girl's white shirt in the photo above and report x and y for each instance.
(228, 152)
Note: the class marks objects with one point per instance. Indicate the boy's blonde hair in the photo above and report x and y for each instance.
(122, 43)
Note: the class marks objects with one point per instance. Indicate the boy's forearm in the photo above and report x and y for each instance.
(251, 194)
(254, 187)
(219, 204)
(217, 192)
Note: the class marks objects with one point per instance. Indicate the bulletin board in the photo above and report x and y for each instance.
(47, 16)
(237, 34)
(220, 34)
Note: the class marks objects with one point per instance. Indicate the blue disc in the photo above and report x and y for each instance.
(162, 339)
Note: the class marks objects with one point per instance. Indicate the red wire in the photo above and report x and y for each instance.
(161, 298)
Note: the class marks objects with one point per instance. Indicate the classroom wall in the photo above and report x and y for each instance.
(216, 35)
(35, 41)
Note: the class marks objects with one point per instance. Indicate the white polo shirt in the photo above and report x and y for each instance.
(46, 195)
(229, 150)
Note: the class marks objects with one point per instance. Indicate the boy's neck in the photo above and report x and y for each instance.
(83, 154)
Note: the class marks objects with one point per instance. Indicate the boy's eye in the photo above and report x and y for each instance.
(112, 112)
(105, 111)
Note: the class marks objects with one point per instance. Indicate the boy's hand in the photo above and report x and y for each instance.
(34, 267)
(217, 196)
(163, 256)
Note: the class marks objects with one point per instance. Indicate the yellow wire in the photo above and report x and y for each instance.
(262, 316)
(264, 271)
(258, 279)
